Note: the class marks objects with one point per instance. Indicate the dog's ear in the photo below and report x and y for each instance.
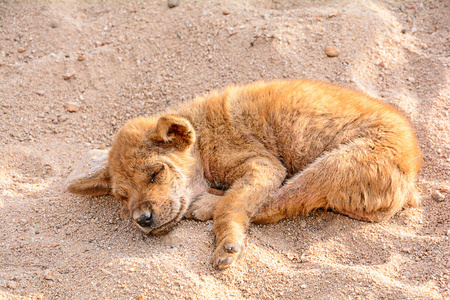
(174, 132)
(91, 176)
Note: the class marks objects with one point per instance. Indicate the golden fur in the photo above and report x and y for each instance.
(262, 152)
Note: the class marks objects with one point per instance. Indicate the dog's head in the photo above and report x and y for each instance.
(148, 169)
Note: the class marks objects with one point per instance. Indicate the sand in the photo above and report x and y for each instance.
(72, 72)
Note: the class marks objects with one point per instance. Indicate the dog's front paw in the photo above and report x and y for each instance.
(203, 208)
(228, 251)
(200, 212)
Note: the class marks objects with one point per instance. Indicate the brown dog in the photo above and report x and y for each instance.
(273, 150)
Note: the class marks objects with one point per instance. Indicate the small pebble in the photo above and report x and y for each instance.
(437, 196)
(62, 118)
(72, 106)
(448, 232)
(69, 75)
(11, 284)
(225, 12)
(305, 258)
(81, 57)
(47, 109)
(332, 51)
(333, 14)
(291, 256)
(173, 3)
(54, 24)
(303, 286)
(403, 31)
(49, 275)
(40, 93)
(21, 50)
(406, 250)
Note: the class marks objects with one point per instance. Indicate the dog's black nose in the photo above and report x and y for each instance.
(145, 219)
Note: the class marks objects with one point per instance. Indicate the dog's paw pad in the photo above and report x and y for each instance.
(232, 248)
(223, 263)
(226, 254)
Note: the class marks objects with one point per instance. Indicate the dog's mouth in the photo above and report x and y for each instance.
(166, 227)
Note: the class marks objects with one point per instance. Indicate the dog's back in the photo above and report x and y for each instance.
(341, 149)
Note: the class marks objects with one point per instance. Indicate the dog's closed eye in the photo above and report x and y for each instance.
(154, 172)
(152, 177)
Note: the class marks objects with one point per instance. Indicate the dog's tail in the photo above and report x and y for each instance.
(359, 179)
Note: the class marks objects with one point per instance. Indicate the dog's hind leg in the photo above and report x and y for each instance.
(359, 179)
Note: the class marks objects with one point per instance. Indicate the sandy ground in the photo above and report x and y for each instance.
(72, 72)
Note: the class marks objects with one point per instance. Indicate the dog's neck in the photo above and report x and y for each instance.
(197, 181)
(201, 178)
